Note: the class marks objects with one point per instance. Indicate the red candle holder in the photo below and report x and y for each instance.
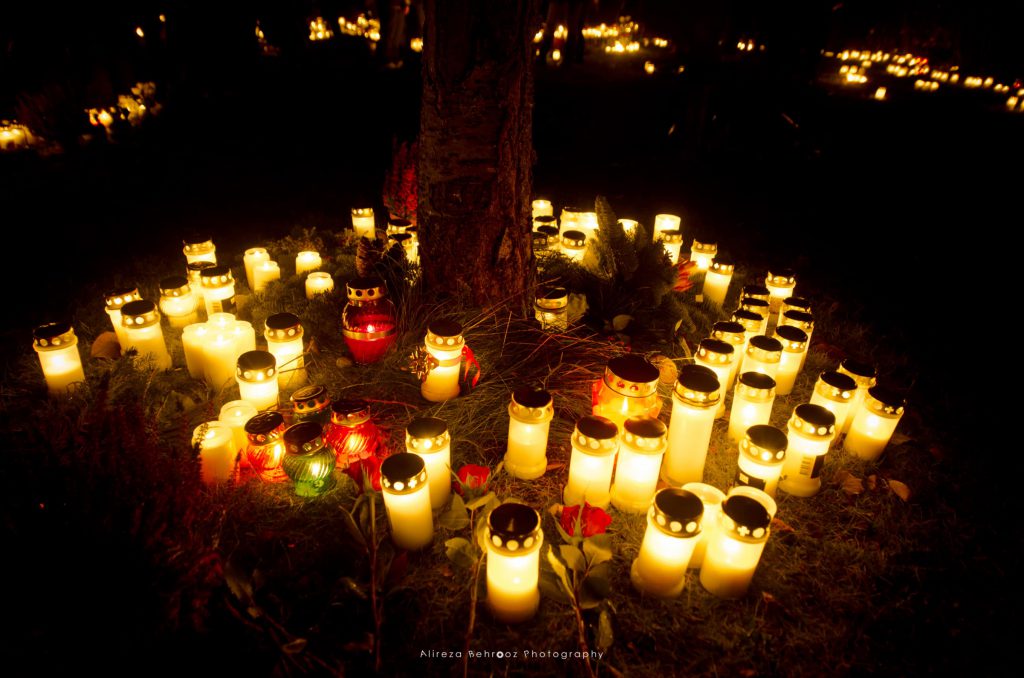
(368, 320)
(352, 433)
(266, 448)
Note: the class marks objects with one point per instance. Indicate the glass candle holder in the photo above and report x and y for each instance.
(529, 418)
(114, 301)
(141, 323)
(193, 339)
(364, 223)
(57, 348)
(673, 532)
(753, 291)
(218, 289)
(874, 423)
(368, 320)
(694, 403)
(569, 219)
(642, 447)
(551, 309)
(758, 306)
(800, 320)
(834, 392)
(403, 479)
(237, 414)
(780, 284)
(716, 281)
(702, 254)
(265, 450)
(318, 282)
(587, 222)
(628, 226)
(629, 388)
(735, 548)
(199, 248)
(666, 222)
(751, 403)
(542, 208)
(444, 346)
(539, 243)
(284, 340)
(763, 355)
(256, 373)
(594, 444)
(217, 452)
(719, 357)
(220, 351)
(177, 301)
(254, 256)
(794, 350)
(308, 461)
(413, 250)
(550, 230)
(866, 376)
(352, 432)
(753, 325)
(306, 261)
(263, 274)
(429, 438)
(711, 497)
(811, 429)
(672, 241)
(514, 540)
(795, 303)
(732, 333)
(398, 225)
(311, 403)
(762, 453)
(194, 273)
(574, 245)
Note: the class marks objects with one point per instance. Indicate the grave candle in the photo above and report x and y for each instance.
(57, 348)
(711, 497)
(752, 291)
(363, 222)
(265, 450)
(673, 531)
(218, 289)
(220, 355)
(629, 225)
(811, 429)
(199, 248)
(254, 256)
(672, 241)
(794, 350)
(352, 433)
(368, 320)
(753, 325)
(702, 254)
(429, 438)
(318, 282)
(751, 403)
(236, 414)
(255, 375)
(193, 339)
(763, 355)
(803, 321)
(284, 340)
(716, 281)
(666, 222)
(514, 540)
(263, 274)
(866, 376)
(874, 423)
(542, 208)
(194, 272)
(403, 479)
(307, 261)
(760, 307)
(642, 446)
(732, 333)
(694, 402)
(629, 388)
(311, 403)
(444, 344)
(780, 284)
(594, 444)
(735, 549)
(551, 309)
(718, 356)
(530, 414)
(569, 219)
(114, 301)
(762, 453)
(308, 461)
(177, 301)
(574, 245)
(834, 392)
(216, 451)
(142, 329)
(795, 303)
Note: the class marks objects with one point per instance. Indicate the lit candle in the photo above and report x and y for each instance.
(874, 423)
(318, 282)
(719, 357)
(114, 301)
(732, 333)
(594, 444)
(796, 304)
(569, 219)
(716, 282)
(429, 438)
(397, 225)
(306, 261)
(263, 274)
(834, 391)
(694, 402)
(284, 340)
(57, 348)
(193, 340)
(220, 354)
(551, 309)
(363, 222)
(194, 273)
(352, 433)
(672, 534)
(780, 285)
(794, 349)
(236, 414)
(587, 222)
(759, 307)
(629, 388)
(762, 453)
(199, 248)
(177, 301)
(735, 548)
(547, 229)
(308, 461)
(255, 375)
(751, 403)
(711, 497)
(753, 325)
(312, 403)
(672, 241)
(811, 429)
(574, 245)
(368, 320)
(514, 539)
(629, 225)
(755, 292)
(542, 208)
(245, 336)
(217, 453)
(800, 320)
(265, 449)
(529, 418)
(405, 241)
(763, 355)
(866, 376)
(641, 449)
(666, 222)
(254, 256)
(142, 329)
(702, 254)
(444, 344)
(403, 479)
(218, 289)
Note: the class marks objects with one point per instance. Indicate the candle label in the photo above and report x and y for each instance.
(222, 305)
(743, 478)
(810, 465)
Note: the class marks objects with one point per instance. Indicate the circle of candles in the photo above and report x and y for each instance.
(177, 301)
(716, 281)
(368, 320)
(874, 423)
(629, 388)
(57, 348)
(719, 357)
(363, 222)
(642, 446)
(403, 479)
(711, 497)
(308, 461)
(733, 333)
(429, 438)
(796, 304)
(236, 414)
(444, 344)
(763, 355)
(811, 429)
(253, 257)
(514, 539)
(217, 455)
(529, 418)
(318, 282)
(574, 244)
(866, 376)
(311, 403)
(751, 403)
(114, 300)
(780, 284)
(265, 449)
(762, 453)
(835, 391)
(218, 289)
(194, 273)
(307, 261)
(673, 532)
(694, 402)
(672, 241)
(141, 323)
(284, 340)
(352, 433)
(199, 248)
(255, 373)
(594, 444)
(735, 548)
(569, 219)
(702, 254)
(666, 222)
(794, 348)
(541, 208)
(265, 273)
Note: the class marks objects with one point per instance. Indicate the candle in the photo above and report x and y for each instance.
(629, 388)
(796, 304)
(263, 274)
(142, 329)
(735, 548)
(543, 222)
(702, 254)
(732, 333)
(308, 462)
(759, 307)
(866, 376)
(751, 403)
(811, 429)
(718, 356)
(352, 433)
(237, 414)
(194, 273)
(550, 230)
(265, 450)
(284, 340)
(694, 402)
(193, 340)
(114, 301)
(716, 281)
(673, 531)
(57, 348)
(216, 451)
(753, 325)
(405, 241)
(755, 292)
(311, 403)
(672, 241)
(551, 309)
(254, 256)
(514, 539)
(587, 222)
(529, 418)
(403, 479)
(177, 301)
(429, 438)
(569, 219)
(594, 444)
(763, 355)
(307, 261)
(542, 208)
(368, 320)
(762, 453)
(245, 336)
(641, 449)
(834, 391)
(629, 226)
(218, 289)
(666, 222)
(874, 423)
(444, 345)
(780, 285)
(220, 354)
(255, 375)
(794, 349)
(397, 225)
(318, 282)
(574, 245)
(711, 497)
(199, 248)
(801, 320)
(363, 222)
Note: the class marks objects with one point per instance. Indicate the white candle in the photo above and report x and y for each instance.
(529, 418)
(306, 261)
(178, 303)
(763, 355)
(751, 403)
(542, 208)
(641, 448)
(711, 497)
(218, 289)
(254, 256)
(796, 304)
(216, 451)
(403, 478)
(363, 222)
(256, 378)
(666, 222)
(760, 307)
(866, 376)
(284, 340)
(587, 222)
(874, 423)
(545, 236)
(694, 402)
(142, 326)
(114, 300)
(245, 336)
(800, 320)
(834, 392)
(514, 540)
(762, 453)
(732, 333)
(702, 254)
(629, 225)
(574, 245)
(199, 249)
(753, 325)
(594, 444)
(429, 438)
(551, 309)
(672, 241)
(794, 349)
(57, 348)
(780, 286)
(673, 531)
(716, 282)
(629, 388)
(569, 220)
(263, 274)
(719, 357)
(811, 429)
(318, 282)
(734, 550)
(193, 340)
(220, 353)
(194, 273)
(444, 343)
(237, 414)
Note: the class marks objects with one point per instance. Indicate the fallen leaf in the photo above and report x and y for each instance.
(898, 438)
(555, 467)
(767, 597)
(872, 482)
(106, 346)
(446, 571)
(779, 526)
(900, 489)
(849, 483)
(295, 646)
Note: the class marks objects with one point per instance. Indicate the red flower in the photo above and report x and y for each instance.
(370, 466)
(594, 521)
(472, 477)
(683, 281)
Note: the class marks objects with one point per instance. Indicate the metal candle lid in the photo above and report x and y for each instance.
(781, 278)
(309, 399)
(698, 386)
(750, 321)
(813, 421)
(303, 438)
(362, 211)
(793, 339)
(554, 298)
(755, 292)
(796, 304)
(532, 405)
(574, 239)
(551, 232)
(401, 238)
(256, 366)
(677, 512)
(715, 351)
(645, 434)
(632, 375)
(514, 527)
(864, 374)
(596, 435)
(745, 518)
(366, 289)
(885, 402)
(117, 298)
(139, 313)
(764, 444)
(730, 331)
(544, 220)
(765, 349)
(426, 435)
(349, 412)
(672, 237)
(755, 305)
(399, 225)
(538, 239)
(264, 428)
(835, 386)
(215, 276)
(195, 268)
(804, 321)
(174, 286)
(198, 244)
(722, 266)
(53, 335)
(403, 473)
(755, 386)
(283, 327)
(445, 335)
(709, 248)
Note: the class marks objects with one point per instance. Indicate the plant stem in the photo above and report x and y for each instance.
(581, 627)
(472, 615)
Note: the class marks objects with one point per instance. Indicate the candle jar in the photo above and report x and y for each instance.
(594, 444)
(538, 243)
(114, 301)
(284, 340)
(544, 227)
(672, 534)
(811, 429)
(307, 261)
(193, 339)
(220, 352)
(255, 374)
(587, 222)
(545, 221)
(751, 403)
(834, 392)
(194, 272)
(755, 292)
(318, 282)
(254, 256)
(218, 289)
(732, 333)
(800, 320)
(352, 433)
(718, 356)
(542, 208)
(403, 479)
(429, 438)
(711, 497)
(780, 285)
(245, 335)
(311, 403)
(672, 241)
(214, 442)
(794, 350)
(551, 309)
(263, 274)
(574, 245)
(363, 222)
(694, 402)
(444, 346)
(368, 320)
(569, 219)
(641, 449)
(735, 549)
(716, 281)
(529, 418)
(763, 355)
(666, 222)
(177, 301)
(199, 248)
(142, 329)
(628, 226)
(753, 325)
(629, 389)
(762, 453)
(759, 307)
(57, 348)
(702, 254)
(308, 461)
(265, 450)
(866, 377)
(237, 414)
(398, 225)
(550, 230)
(874, 423)
(514, 539)
(796, 304)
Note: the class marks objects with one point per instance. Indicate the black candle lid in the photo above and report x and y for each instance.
(403, 473)
(632, 375)
(264, 427)
(303, 438)
(677, 512)
(765, 444)
(745, 517)
(514, 527)
(698, 385)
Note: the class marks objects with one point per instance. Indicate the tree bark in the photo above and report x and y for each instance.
(476, 149)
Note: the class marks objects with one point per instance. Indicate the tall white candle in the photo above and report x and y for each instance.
(257, 383)
(529, 418)
(673, 532)
(760, 307)
(142, 329)
(193, 340)
(363, 222)
(629, 225)
(811, 429)
(569, 220)
(735, 549)
(642, 446)
(444, 343)
(263, 274)
(753, 325)
(429, 438)
(666, 222)
(218, 289)
(800, 320)
(542, 208)
(114, 300)
(594, 444)
(194, 272)
(236, 414)
(403, 478)
(514, 540)
(716, 282)
(834, 392)
(751, 403)
(694, 402)
(780, 285)
(794, 348)
(216, 451)
(874, 423)
(318, 282)
(57, 348)
(762, 453)
(866, 376)
(220, 353)
(732, 333)
(702, 254)
(254, 256)
(284, 340)
(672, 241)
(711, 497)
(719, 357)
(763, 355)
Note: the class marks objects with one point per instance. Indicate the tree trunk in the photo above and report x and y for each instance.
(475, 150)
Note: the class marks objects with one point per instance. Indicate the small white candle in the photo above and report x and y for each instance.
(551, 309)
(429, 438)
(569, 220)
(666, 222)
(794, 348)
(403, 479)
(629, 388)
(254, 256)
(759, 306)
(237, 414)
(306, 261)
(734, 550)
(762, 453)
(542, 208)
(672, 241)
(218, 289)
(800, 320)
(142, 326)
(199, 249)
(642, 446)
(514, 540)
(716, 282)
(256, 378)
(574, 245)
(594, 444)
(702, 254)
(811, 429)
(444, 343)
(220, 353)
(529, 418)
(193, 340)
(57, 348)
(673, 532)
(780, 286)
(834, 392)
(751, 403)
(719, 357)
(711, 497)
(763, 355)
(363, 222)
(263, 274)
(216, 451)
(178, 303)
(694, 403)
(874, 423)
(284, 340)
(114, 300)
(866, 376)
(318, 282)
